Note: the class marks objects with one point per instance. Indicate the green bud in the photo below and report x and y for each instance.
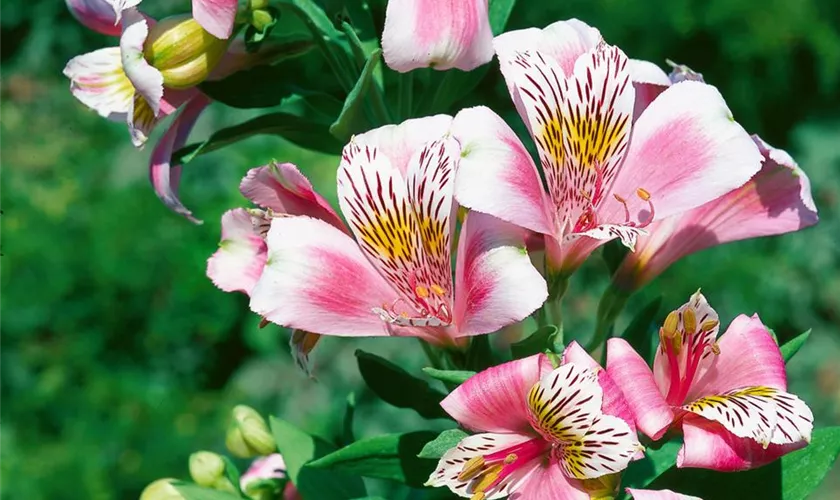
(261, 19)
(258, 4)
(206, 468)
(183, 51)
(248, 434)
(161, 489)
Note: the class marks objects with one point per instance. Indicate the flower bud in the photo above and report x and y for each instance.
(161, 489)
(248, 435)
(206, 468)
(183, 51)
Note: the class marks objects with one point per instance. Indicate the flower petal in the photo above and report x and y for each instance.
(710, 446)
(164, 176)
(605, 448)
(649, 80)
(639, 494)
(400, 142)
(119, 6)
(496, 284)
(565, 403)
(686, 150)
(496, 174)
(147, 81)
(440, 34)
(238, 263)
(271, 467)
(452, 463)
(651, 413)
(549, 481)
(97, 80)
(496, 399)
(748, 357)
(215, 16)
(282, 188)
(317, 279)
(97, 15)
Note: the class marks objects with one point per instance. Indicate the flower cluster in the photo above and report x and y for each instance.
(447, 229)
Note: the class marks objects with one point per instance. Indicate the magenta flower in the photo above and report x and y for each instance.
(776, 200)
(608, 176)
(265, 469)
(439, 34)
(216, 16)
(541, 431)
(728, 397)
(395, 189)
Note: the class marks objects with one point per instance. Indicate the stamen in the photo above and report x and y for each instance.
(689, 321)
(669, 334)
(626, 210)
(471, 468)
(488, 478)
(708, 325)
(439, 291)
(421, 291)
(671, 323)
(478, 495)
(715, 349)
(644, 195)
(510, 459)
(264, 323)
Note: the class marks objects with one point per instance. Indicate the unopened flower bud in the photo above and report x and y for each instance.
(258, 4)
(161, 489)
(183, 51)
(248, 434)
(262, 19)
(206, 468)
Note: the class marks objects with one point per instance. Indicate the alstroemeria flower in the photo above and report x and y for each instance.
(728, 396)
(439, 34)
(541, 431)
(607, 175)
(638, 494)
(97, 15)
(776, 200)
(215, 16)
(395, 189)
(259, 476)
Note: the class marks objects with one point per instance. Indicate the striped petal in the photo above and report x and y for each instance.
(317, 279)
(605, 448)
(147, 81)
(282, 188)
(496, 399)
(97, 15)
(216, 16)
(496, 283)
(400, 142)
(564, 404)
(638, 494)
(238, 263)
(98, 81)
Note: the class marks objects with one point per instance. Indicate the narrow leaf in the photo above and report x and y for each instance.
(479, 353)
(804, 470)
(640, 332)
(445, 441)
(641, 473)
(449, 376)
(192, 491)
(539, 341)
(347, 435)
(298, 449)
(352, 119)
(392, 456)
(792, 346)
(232, 473)
(399, 388)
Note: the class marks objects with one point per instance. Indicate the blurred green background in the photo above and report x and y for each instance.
(119, 358)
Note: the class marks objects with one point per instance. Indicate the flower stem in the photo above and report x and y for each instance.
(432, 354)
(405, 89)
(612, 303)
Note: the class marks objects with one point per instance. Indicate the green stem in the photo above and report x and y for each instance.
(405, 89)
(554, 309)
(345, 78)
(432, 354)
(377, 99)
(612, 303)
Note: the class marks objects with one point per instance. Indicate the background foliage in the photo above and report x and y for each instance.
(119, 357)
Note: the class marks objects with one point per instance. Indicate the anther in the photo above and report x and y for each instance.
(715, 348)
(643, 194)
(471, 469)
(263, 323)
(671, 323)
(421, 291)
(708, 325)
(689, 320)
(439, 291)
(510, 459)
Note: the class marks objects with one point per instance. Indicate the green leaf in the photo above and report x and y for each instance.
(613, 254)
(792, 346)
(445, 441)
(300, 131)
(347, 435)
(640, 332)
(640, 473)
(232, 473)
(398, 387)
(449, 376)
(352, 118)
(392, 456)
(192, 491)
(298, 449)
(499, 13)
(479, 354)
(539, 341)
(794, 477)
(313, 14)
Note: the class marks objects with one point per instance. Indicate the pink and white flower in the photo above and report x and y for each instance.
(639, 494)
(728, 397)
(439, 34)
(575, 94)
(395, 188)
(262, 471)
(776, 200)
(542, 430)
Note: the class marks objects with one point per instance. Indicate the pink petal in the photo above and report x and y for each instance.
(631, 374)
(613, 402)
(496, 174)
(496, 284)
(316, 279)
(165, 177)
(496, 399)
(548, 481)
(238, 263)
(282, 188)
(215, 16)
(271, 467)
(440, 34)
(400, 142)
(98, 81)
(147, 81)
(748, 357)
(649, 80)
(638, 494)
(685, 151)
(776, 200)
(119, 6)
(97, 15)
(708, 445)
